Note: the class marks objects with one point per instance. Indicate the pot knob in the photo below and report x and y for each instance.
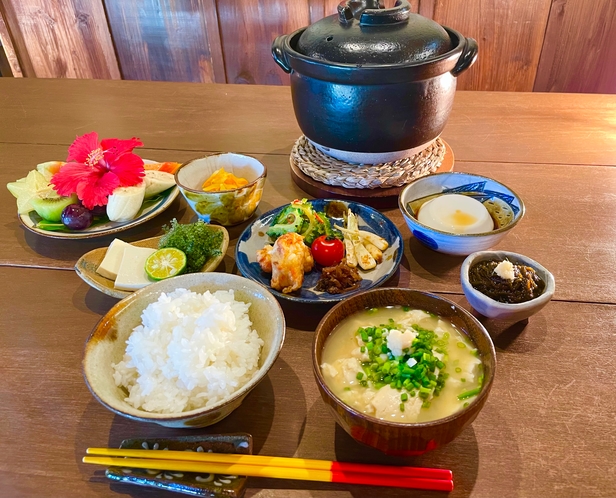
(371, 13)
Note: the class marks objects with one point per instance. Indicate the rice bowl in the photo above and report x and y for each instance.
(190, 351)
(107, 346)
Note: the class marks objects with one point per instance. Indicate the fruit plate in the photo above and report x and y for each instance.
(190, 483)
(149, 210)
(369, 219)
(87, 265)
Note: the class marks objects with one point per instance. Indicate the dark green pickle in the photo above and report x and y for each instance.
(525, 286)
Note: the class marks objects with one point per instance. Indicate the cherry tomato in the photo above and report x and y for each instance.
(326, 251)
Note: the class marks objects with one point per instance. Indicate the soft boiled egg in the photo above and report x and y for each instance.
(455, 213)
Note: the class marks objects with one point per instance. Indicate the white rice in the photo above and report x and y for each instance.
(191, 351)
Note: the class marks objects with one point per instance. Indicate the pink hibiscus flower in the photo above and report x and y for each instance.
(94, 170)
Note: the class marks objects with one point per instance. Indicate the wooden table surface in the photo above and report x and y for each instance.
(548, 426)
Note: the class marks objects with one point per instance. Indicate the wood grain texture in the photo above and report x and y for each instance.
(509, 34)
(529, 440)
(167, 40)
(9, 56)
(64, 38)
(579, 51)
(483, 126)
(248, 28)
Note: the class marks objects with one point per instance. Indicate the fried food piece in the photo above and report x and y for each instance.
(290, 258)
(264, 258)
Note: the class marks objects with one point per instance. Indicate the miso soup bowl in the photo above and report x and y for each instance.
(484, 188)
(107, 344)
(227, 207)
(396, 438)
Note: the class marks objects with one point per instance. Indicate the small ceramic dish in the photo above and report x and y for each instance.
(503, 204)
(255, 237)
(150, 208)
(504, 311)
(189, 483)
(228, 207)
(107, 345)
(404, 438)
(87, 265)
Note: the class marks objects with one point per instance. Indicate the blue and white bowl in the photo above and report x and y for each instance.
(254, 238)
(484, 189)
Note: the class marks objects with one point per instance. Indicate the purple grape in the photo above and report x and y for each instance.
(99, 210)
(76, 217)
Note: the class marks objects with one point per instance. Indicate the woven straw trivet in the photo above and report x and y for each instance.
(330, 171)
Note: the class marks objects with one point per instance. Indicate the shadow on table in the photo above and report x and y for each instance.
(430, 263)
(257, 416)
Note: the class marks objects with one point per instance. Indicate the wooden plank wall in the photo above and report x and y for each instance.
(540, 45)
(61, 38)
(579, 53)
(167, 40)
(510, 36)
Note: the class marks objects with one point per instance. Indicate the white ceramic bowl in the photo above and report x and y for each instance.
(452, 243)
(503, 311)
(107, 343)
(228, 207)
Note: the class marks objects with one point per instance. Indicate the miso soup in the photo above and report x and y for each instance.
(401, 364)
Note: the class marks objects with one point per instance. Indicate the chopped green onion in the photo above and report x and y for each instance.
(469, 394)
(462, 379)
(359, 376)
(404, 397)
(401, 407)
(406, 308)
(426, 404)
(458, 370)
(461, 345)
(362, 349)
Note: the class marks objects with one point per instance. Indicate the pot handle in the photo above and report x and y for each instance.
(468, 57)
(279, 54)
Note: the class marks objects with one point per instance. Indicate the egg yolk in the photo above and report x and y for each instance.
(456, 213)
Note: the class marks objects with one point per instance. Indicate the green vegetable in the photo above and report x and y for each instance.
(198, 241)
(288, 220)
(469, 394)
(300, 217)
(314, 226)
(395, 371)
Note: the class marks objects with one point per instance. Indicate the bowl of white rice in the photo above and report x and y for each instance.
(186, 351)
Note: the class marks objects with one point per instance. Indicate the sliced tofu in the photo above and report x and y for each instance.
(113, 257)
(132, 275)
(347, 369)
(399, 340)
(386, 404)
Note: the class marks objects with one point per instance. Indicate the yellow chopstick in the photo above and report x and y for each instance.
(273, 472)
(269, 461)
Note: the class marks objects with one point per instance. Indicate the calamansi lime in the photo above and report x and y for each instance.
(165, 263)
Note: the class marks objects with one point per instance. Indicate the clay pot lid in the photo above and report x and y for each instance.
(365, 33)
